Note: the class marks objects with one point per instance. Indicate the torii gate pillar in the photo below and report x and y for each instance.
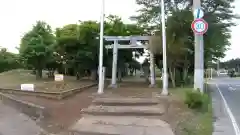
(114, 64)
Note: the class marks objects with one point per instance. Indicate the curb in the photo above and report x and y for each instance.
(49, 95)
(30, 109)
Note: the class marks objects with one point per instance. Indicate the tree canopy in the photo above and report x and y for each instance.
(219, 14)
(73, 48)
(36, 46)
(180, 41)
(8, 60)
(233, 63)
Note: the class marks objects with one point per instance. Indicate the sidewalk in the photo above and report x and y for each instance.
(15, 123)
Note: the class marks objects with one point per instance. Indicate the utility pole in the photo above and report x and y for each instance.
(100, 67)
(165, 72)
(199, 55)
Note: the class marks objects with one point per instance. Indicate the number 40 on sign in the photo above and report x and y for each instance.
(199, 26)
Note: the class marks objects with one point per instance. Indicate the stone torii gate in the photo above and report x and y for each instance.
(134, 43)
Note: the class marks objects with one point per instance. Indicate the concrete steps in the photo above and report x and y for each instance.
(156, 110)
(121, 125)
(125, 101)
(125, 107)
(122, 116)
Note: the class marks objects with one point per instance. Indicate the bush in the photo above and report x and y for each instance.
(196, 99)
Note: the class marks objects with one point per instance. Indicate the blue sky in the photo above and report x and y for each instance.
(18, 16)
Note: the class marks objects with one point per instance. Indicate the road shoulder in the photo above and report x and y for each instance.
(222, 124)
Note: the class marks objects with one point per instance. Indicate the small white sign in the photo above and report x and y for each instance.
(198, 13)
(58, 77)
(27, 87)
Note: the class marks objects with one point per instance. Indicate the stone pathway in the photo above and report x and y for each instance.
(15, 123)
(122, 116)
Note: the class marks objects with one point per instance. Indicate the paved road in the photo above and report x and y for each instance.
(15, 123)
(226, 97)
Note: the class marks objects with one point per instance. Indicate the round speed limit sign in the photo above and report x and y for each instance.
(199, 26)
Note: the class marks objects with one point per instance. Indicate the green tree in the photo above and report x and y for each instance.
(233, 63)
(35, 47)
(66, 47)
(8, 60)
(73, 45)
(87, 55)
(77, 46)
(218, 13)
(179, 45)
(115, 27)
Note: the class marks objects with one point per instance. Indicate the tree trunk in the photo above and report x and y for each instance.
(65, 71)
(131, 71)
(172, 76)
(93, 74)
(51, 73)
(77, 75)
(185, 75)
(38, 73)
(33, 72)
(119, 74)
(146, 73)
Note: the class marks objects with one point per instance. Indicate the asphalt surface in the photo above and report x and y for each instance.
(226, 105)
(14, 123)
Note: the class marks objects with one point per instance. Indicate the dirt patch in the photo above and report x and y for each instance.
(62, 113)
(13, 80)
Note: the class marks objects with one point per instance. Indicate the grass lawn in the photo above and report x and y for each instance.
(14, 78)
(194, 122)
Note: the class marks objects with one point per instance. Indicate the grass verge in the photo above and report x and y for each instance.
(196, 122)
